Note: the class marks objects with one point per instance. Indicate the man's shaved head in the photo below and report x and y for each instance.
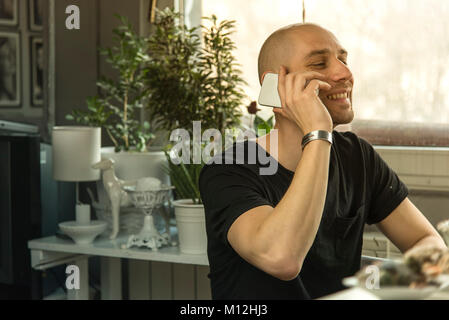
(277, 50)
(308, 47)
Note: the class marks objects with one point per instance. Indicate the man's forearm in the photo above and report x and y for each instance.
(292, 226)
(430, 240)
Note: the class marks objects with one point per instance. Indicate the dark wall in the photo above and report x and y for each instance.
(78, 63)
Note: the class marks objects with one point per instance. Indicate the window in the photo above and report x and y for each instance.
(398, 53)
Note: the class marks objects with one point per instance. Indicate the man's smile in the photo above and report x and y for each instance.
(339, 96)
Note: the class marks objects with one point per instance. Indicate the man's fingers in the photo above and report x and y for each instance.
(281, 84)
(313, 75)
(304, 78)
(293, 83)
(278, 110)
(315, 85)
(309, 76)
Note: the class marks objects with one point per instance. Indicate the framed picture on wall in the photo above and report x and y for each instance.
(36, 15)
(8, 12)
(37, 72)
(9, 69)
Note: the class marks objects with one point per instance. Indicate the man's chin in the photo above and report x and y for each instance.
(343, 117)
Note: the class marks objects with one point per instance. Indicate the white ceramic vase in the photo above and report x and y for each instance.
(191, 223)
(135, 165)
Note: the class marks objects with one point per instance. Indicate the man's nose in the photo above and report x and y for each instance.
(340, 72)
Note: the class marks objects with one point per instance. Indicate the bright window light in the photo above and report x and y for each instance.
(398, 49)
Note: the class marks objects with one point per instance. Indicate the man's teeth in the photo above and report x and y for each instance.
(337, 96)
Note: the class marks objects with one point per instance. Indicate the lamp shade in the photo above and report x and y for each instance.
(75, 150)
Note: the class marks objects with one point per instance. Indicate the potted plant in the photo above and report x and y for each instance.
(118, 104)
(189, 81)
(116, 110)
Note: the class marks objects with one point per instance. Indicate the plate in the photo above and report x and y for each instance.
(398, 292)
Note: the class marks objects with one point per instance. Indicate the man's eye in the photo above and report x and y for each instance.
(322, 64)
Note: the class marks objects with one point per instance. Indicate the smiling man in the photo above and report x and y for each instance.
(295, 234)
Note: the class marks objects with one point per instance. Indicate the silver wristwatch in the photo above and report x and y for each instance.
(316, 135)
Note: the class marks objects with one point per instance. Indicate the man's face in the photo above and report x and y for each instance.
(315, 49)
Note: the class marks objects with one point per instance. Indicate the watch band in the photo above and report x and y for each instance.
(316, 135)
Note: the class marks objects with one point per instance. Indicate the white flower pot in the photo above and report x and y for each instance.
(134, 165)
(191, 223)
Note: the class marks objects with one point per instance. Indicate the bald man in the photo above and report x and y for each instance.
(295, 234)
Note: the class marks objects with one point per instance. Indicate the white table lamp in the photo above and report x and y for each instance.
(75, 150)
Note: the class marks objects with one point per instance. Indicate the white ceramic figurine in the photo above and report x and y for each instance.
(114, 189)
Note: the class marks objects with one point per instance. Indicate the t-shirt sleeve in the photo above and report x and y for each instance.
(227, 191)
(387, 191)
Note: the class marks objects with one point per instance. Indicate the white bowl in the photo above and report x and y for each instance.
(83, 234)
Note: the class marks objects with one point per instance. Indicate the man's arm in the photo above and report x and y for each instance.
(407, 228)
(276, 240)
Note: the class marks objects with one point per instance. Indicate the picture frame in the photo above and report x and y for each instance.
(10, 70)
(8, 12)
(36, 15)
(37, 72)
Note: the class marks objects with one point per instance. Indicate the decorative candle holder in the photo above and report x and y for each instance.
(147, 201)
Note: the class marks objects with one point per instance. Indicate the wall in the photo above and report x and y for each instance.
(76, 65)
(78, 62)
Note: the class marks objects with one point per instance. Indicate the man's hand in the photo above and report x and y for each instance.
(300, 102)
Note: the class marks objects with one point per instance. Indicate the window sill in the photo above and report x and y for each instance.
(394, 133)
(420, 168)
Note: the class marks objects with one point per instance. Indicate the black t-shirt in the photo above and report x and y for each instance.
(361, 189)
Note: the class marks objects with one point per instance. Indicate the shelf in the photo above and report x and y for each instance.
(104, 247)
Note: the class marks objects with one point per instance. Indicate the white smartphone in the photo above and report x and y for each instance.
(269, 95)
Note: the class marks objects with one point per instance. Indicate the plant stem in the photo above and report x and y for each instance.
(125, 117)
(112, 138)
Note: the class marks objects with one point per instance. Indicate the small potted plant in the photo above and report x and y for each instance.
(190, 82)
